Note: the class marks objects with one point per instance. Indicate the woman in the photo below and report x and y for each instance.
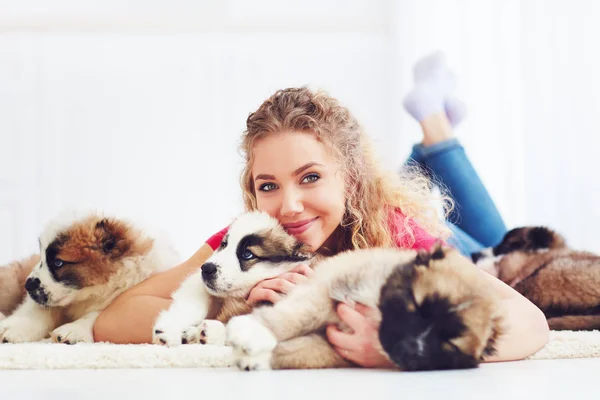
(309, 164)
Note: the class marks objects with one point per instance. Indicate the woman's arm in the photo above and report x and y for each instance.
(527, 329)
(130, 317)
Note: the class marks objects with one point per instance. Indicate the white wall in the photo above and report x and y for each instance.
(529, 74)
(140, 113)
(112, 104)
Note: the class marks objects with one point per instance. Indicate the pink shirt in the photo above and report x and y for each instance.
(422, 239)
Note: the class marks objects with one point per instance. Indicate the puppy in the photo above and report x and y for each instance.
(255, 248)
(84, 263)
(436, 310)
(564, 283)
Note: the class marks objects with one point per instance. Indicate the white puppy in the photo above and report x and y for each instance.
(255, 248)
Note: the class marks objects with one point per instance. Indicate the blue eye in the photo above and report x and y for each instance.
(58, 263)
(247, 255)
(310, 178)
(267, 187)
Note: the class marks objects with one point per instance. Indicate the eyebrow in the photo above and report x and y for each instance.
(305, 166)
(296, 172)
(264, 177)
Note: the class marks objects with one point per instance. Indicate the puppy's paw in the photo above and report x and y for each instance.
(166, 336)
(259, 362)
(168, 329)
(72, 333)
(252, 343)
(208, 332)
(20, 330)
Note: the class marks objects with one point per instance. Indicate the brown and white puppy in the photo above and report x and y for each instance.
(256, 247)
(435, 309)
(564, 283)
(84, 263)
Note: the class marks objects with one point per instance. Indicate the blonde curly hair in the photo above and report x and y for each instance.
(370, 191)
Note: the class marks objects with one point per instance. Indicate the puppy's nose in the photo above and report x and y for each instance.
(209, 271)
(32, 284)
(476, 256)
(412, 347)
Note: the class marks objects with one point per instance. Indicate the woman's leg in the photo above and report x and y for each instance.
(475, 212)
(443, 158)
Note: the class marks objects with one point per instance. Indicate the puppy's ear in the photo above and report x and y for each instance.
(302, 252)
(111, 237)
(544, 238)
(436, 253)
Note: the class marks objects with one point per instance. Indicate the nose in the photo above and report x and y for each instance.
(476, 256)
(411, 347)
(292, 203)
(32, 284)
(209, 271)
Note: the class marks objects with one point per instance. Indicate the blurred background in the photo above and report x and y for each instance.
(136, 107)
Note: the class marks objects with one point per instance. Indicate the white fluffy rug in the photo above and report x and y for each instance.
(100, 355)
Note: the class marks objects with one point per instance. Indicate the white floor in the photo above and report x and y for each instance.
(547, 379)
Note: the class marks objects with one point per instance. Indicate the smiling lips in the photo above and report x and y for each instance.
(297, 228)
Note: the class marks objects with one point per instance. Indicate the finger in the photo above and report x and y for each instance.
(305, 270)
(355, 320)
(340, 339)
(259, 294)
(262, 295)
(278, 284)
(344, 353)
(364, 310)
(294, 277)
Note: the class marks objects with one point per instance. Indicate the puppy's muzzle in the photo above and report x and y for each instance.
(209, 272)
(36, 291)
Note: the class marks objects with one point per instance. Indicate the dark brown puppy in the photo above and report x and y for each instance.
(564, 283)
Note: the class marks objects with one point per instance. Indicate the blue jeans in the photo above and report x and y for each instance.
(475, 222)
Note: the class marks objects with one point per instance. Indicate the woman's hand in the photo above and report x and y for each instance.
(361, 347)
(273, 290)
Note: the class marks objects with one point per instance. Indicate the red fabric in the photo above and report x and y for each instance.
(422, 239)
(215, 240)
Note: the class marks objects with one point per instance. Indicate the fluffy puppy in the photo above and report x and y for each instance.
(84, 263)
(564, 283)
(255, 248)
(435, 309)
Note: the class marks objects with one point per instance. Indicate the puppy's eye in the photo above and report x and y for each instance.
(58, 263)
(247, 255)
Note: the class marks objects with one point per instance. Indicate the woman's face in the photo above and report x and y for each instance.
(297, 181)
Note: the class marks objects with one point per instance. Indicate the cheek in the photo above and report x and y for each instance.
(261, 272)
(329, 205)
(269, 205)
